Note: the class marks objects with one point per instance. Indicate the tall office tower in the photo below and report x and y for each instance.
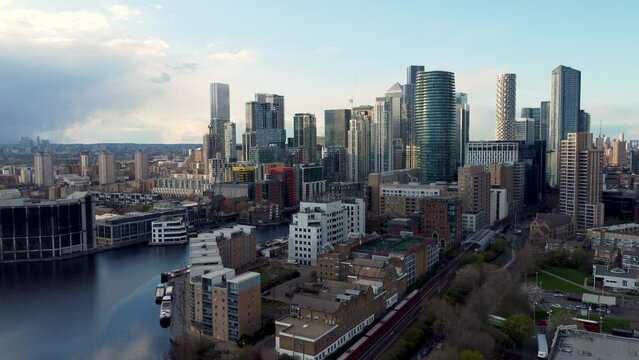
(305, 136)
(336, 124)
(262, 115)
(525, 130)
(220, 108)
(618, 155)
(43, 168)
(506, 94)
(544, 120)
(335, 164)
(141, 165)
(309, 181)
(535, 114)
(85, 163)
(358, 150)
(229, 141)
(248, 141)
(391, 123)
(106, 167)
(409, 100)
(462, 114)
(565, 102)
(584, 122)
(580, 180)
(435, 125)
(278, 101)
(473, 184)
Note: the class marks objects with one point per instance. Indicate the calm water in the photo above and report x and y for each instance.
(95, 307)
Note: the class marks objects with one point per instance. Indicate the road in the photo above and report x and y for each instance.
(431, 288)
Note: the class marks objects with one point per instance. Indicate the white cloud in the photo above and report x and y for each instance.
(150, 47)
(5, 3)
(121, 12)
(233, 56)
(31, 25)
(157, 7)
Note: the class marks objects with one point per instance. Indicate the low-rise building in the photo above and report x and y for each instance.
(442, 220)
(564, 245)
(623, 236)
(552, 226)
(605, 254)
(168, 231)
(569, 343)
(615, 279)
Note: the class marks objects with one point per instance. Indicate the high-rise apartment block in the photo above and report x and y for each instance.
(359, 144)
(220, 102)
(316, 229)
(141, 159)
(581, 180)
(336, 123)
(462, 114)
(278, 101)
(565, 102)
(525, 130)
(435, 125)
(335, 164)
(106, 167)
(85, 163)
(618, 155)
(309, 181)
(43, 168)
(305, 136)
(473, 184)
(506, 110)
(390, 129)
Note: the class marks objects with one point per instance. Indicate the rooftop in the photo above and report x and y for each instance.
(603, 270)
(388, 245)
(620, 227)
(552, 219)
(583, 345)
(309, 329)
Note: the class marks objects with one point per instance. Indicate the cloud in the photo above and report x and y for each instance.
(121, 12)
(151, 46)
(233, 56)
(183, 67)
(326, 50)
(161, 79)
(17, 25)
(157, 7)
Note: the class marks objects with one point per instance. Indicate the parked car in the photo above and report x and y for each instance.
(556, 306)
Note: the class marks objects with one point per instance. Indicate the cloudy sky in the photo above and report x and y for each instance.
(138, 71)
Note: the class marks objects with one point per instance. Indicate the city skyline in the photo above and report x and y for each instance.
(153, 76)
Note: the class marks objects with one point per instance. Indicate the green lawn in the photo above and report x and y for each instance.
(551, 283)
(610, 322)
(573, 275)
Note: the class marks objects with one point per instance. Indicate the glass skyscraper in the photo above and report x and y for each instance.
(336, 124)
(435, 125)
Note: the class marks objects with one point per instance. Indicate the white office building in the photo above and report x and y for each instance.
(355, 216)
(168, 231)
(317, 228)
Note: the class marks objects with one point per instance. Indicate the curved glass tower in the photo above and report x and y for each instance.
(435, 127)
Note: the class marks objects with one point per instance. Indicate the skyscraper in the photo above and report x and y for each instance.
(506, 111)
(278, 101)
(106, 167)
(359, 143)
(229, 142)
(544, 120)
(390, 130)
(580, 180)
(473, 186)
(535, 114)
(43, 168)
(462, 114)
(85, 165)
(336, 124)
(305, 136)
(409, 100)
(565, 102)
(220, 101)
(141, 165)
(435, 125)
(525, 130)
(335, 164)
(584, 122)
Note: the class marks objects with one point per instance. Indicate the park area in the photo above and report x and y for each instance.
(552, 283)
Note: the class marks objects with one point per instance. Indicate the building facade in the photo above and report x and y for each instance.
(336, 125)
(43, 168)
(506, 107)
(106, 167)
(141, 159)
(305, 136)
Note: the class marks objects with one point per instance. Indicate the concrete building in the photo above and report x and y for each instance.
(316, 229)
(397, 199)
(623, 236)
(435, 125)
(43, 169)
(355, 216)
(506, 107)
(237, 244)
(375, 180)
(389, 117)
(565, 102)
(569, 343)
(141, 159)
(106, 167)
(615, 279)
(473, 187)
(525, 130)
(335, 164)
(229, 144)
(180, 187)
(278, 101)
(499, 205)
(618, 156)
(580, 180)
(85, 164)
(287, 176)
(305, 136)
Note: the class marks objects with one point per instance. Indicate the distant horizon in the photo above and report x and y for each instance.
(78, 72)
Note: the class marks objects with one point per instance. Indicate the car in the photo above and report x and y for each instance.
(556, 306)
(558, 294)
(581, 306)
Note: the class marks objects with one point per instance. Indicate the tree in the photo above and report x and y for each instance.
(582, 259)
(519, 327)
(499, 245)
(529, 258)
(471, 355)
(466, 279)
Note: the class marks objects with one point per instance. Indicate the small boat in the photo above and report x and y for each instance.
(165, 312)
(159, 293)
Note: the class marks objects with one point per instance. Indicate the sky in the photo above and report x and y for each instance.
(139, 71)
